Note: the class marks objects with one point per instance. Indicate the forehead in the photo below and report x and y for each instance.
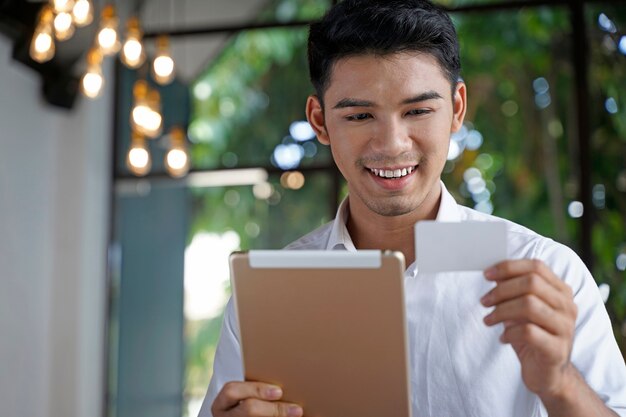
(377, 74)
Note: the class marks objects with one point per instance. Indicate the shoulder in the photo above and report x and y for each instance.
(317, 239)
(526, 243)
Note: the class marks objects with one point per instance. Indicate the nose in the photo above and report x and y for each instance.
(391, 138)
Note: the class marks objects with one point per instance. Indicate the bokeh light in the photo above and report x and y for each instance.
(293, 180)
(622, 45)
(575, 209)
(287, 156)
(599, 196)
(454, 151)
(474, 140)
(611, 105)
(232, 198)
(202, 90)
(541, 86)
(301, 131)
(605, 291)
(230, 159)
(606, 24)
(263, 190)
(620, 262)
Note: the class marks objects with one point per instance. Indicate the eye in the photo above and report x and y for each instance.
(358, 117)
(418, 112)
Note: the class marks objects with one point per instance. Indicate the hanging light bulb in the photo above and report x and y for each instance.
(133, 54)
(140, 108)
(177, 158)
(138, 158)
(42, 45)
(62, 6)
(145, 116)
(93, 81)
(82, 13)
(163, 64)
(63, 26)
(154, 121)
(108, 41)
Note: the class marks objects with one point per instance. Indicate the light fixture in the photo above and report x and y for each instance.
(146, 117)
(163, 65)
(42, 45)
(82, 13)
(63, 26)
(93, 80)
(177, 157)
(154, 122)
(107, 38)
(62, 6)
(133, 53)
(138, 158)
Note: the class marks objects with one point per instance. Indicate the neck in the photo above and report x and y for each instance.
(370, 230)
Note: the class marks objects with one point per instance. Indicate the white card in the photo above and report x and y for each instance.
(459, 246)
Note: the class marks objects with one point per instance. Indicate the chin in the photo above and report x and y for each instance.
(390, 208)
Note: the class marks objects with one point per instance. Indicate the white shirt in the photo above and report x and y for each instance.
(458, 367)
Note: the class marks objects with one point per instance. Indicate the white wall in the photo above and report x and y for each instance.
(54, 203)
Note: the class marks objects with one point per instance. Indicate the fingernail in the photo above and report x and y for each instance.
(486, 300)
(274, 393)
(490, 273)
(294, 411)
(488, 319)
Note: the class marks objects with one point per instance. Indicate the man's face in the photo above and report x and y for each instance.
(388, 121)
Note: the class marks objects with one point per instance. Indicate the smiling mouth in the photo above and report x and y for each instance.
(393, 173)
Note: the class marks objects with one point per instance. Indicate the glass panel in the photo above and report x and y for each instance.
(268, 215)
(606, 31)
(516, 154)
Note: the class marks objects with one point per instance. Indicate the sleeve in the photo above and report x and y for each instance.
(227, 365)
(595, 352)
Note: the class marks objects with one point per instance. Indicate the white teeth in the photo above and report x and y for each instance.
(398, 173)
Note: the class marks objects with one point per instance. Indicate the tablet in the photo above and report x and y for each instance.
(328, 327)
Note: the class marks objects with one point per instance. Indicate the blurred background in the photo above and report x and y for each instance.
(140, 147)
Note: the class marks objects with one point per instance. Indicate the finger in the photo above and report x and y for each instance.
(253, 407)
(531, 309)
(512, 268)
(529, 334)
(234, 392)
(523, 285)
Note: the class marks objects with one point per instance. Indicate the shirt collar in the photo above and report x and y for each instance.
(340, 238)
(448, 207)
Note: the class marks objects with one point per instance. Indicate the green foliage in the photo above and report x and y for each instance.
(608, 80)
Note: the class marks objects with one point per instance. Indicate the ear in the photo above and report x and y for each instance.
(315, 116)
(459, 107)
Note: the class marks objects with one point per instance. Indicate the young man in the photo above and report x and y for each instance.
(388, 98)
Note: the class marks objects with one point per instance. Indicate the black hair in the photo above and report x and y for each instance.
(381, 27)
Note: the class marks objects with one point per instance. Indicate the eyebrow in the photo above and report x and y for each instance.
(352, 102)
